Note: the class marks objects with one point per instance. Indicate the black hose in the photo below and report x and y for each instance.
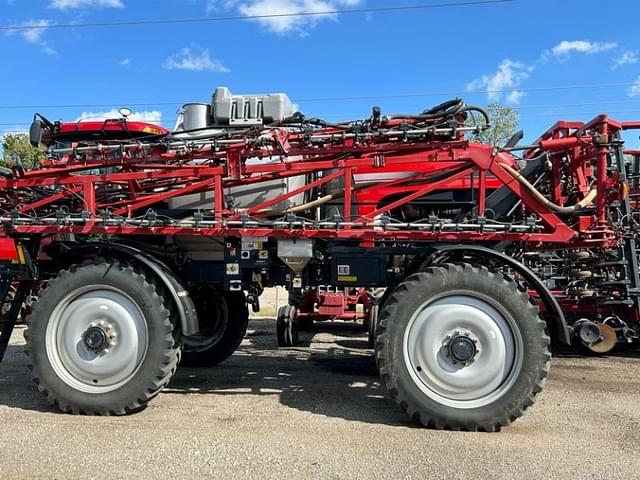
(445, 108)
(481, 111)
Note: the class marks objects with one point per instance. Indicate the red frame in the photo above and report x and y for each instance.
(437, 164)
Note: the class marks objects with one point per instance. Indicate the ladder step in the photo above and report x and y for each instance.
(619, 302)
(612, 263)
(614, 283)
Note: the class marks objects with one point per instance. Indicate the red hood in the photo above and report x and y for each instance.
(111, 129)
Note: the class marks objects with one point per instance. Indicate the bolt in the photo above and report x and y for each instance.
(456, 333)
(466, 334)
(112, 344)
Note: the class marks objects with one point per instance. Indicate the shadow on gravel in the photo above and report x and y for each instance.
(578, 351)
(336, 377)
(17, 390)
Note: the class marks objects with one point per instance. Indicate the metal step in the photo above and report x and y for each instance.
(626, 302)
(614, 283)
(612, 263)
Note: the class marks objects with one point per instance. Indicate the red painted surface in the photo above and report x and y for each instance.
(8, 250)
(408, 169)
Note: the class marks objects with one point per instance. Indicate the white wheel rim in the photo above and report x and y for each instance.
(483, 378)
(116, 314)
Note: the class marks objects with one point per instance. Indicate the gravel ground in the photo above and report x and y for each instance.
(318, 412)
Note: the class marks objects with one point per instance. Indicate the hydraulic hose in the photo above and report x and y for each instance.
(563, 210)
(312, 204)
(481, 111)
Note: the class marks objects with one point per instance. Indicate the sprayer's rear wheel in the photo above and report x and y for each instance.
(101, 339)
(224, 322)
(460, 347)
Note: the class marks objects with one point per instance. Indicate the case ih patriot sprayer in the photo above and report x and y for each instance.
(146, 245)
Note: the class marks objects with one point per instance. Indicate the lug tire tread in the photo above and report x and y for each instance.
(153, 382)
(442, 422)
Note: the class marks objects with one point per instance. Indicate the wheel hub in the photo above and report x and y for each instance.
(95, 339)
(461, 348)
(100, 337)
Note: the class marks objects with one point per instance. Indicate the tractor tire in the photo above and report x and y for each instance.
(286, 326)
(462, 348)
(102, 339)
(372, 324)
(233, 312)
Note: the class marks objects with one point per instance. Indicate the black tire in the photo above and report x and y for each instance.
(304, 303)
(157, 363)
(511, 398)
(305, 324)
(372, 324)
(286, 326)
(234, 307)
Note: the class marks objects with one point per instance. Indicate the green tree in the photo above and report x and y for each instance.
(504, 123)
(18, 145)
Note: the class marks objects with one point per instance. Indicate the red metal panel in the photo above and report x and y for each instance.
(8, 249)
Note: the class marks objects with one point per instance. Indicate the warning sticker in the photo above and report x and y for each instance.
(347, 278)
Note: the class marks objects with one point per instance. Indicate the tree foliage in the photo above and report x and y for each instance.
(18, 145)
(504, 123)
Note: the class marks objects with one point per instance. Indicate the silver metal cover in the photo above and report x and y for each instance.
(248, 110)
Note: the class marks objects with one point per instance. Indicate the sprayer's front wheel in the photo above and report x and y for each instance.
(101, 339)
(461, 347)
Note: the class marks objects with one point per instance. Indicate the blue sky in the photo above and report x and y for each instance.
(405, 61)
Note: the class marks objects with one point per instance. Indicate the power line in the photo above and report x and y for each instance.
(468, 92)
(353, 98)
(250, 17)
(560, 115)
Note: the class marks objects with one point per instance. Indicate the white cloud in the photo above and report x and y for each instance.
(124, 62)
(634, 91)
(147, 116)
(285, 24)
(48, 49)
(627, 58)
(566, 47)
(74, 4)
(14, 130)
(195, 59)
(32, 32)
(515, 96)
(506, 79)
